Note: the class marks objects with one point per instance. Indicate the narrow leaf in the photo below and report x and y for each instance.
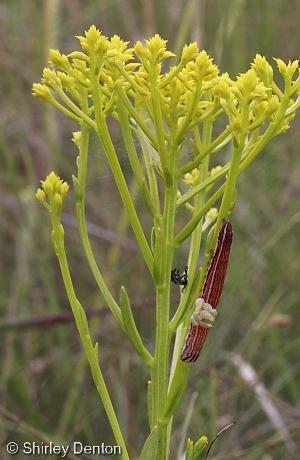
(131, 329)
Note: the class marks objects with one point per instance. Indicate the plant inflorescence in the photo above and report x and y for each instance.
(182, 116)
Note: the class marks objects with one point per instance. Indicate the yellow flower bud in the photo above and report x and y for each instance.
(58, 60)
(48, 188)
(64, 187)
(57, 200)
(76, 138)
(156, 47)
(140, 51)
(189, 52)
(206, 69)
(214, 171)
(41, 197)
(247, 82)
(291, 69)
(118, 49)
(273, 104)
(42, 92)
(67, 82)
(260, 108)
(281, 66)
(222, 89)
(192, 177)
(79, 55)
(263, 69)
(51, 79)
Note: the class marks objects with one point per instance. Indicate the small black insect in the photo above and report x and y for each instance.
(178, 278)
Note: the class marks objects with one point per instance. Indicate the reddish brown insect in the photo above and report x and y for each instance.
(203, 317)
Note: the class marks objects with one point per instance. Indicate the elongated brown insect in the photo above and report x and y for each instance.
(205, 312)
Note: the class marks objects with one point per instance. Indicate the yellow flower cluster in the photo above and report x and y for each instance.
(189, 92)
(53, 192)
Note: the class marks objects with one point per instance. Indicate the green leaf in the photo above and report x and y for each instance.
(150, 449)
(131, 329)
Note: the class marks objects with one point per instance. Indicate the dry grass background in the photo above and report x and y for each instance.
(45, 386)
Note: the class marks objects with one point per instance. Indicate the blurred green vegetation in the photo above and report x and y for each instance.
(45, 386)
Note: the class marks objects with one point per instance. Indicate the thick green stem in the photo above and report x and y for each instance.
(164, 254)
(192, 262)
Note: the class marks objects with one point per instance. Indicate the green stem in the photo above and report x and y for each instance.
(229, 187)
(148, 154)
(187, 120)
(84, 333)
(133, 156)
(158, 122)
(192, 261)
(80, 212)
(80, 114)
(138, 119)
(164, 254)
(105, 139)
